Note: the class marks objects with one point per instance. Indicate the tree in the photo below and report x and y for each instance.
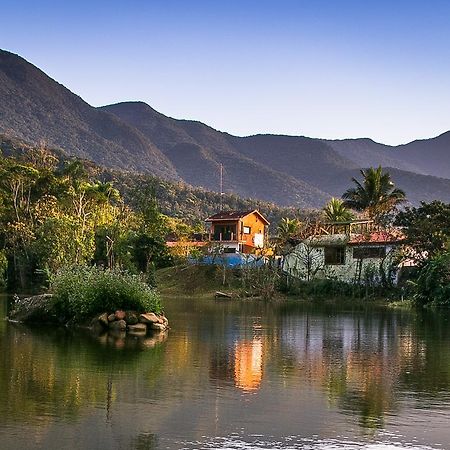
(376, 195)
(286, 230)
(336, 211)
(427, 229)
(433, 282)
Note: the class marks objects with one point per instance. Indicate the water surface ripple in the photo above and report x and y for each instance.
(233, 375)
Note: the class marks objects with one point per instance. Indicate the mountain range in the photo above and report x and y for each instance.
(287, 170)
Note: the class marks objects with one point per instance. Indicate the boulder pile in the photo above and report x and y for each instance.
(131, 321)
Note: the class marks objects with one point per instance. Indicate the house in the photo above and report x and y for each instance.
(238, 231)
(356, 251)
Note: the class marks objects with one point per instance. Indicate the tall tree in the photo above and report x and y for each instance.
(376, 195)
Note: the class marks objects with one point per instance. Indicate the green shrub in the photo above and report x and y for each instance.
(433, 282)
(81, 292)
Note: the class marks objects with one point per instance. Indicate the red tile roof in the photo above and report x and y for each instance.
(234, 215)
(378, 237)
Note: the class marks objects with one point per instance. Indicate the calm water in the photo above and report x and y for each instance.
(232, 376)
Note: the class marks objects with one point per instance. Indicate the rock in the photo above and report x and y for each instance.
(164, 320)
(111, 318)
(138, 328)
(158, 327)
(120, 315)
(118, 325)
(96, 327)
(114, 335)
(103, 319)
(148, 318)
(131, 318)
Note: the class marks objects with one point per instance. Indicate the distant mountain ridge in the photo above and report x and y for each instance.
(287, 170)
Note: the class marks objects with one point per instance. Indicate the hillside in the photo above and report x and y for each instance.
(431, 155)
(37, 109)
(287, 170)
(197, 150)
(324, 167)
(174, 199)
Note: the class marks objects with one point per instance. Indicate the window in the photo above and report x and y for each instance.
(334, 255)
(247, 230)
(369, 252)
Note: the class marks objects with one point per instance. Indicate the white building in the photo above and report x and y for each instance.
(350, 252)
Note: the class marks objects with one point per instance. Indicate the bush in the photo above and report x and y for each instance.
(433, 282)
(321, 288)
(80, 292)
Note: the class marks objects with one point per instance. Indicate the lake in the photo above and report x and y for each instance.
(233, 375)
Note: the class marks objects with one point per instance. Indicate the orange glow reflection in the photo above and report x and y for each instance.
(248, 364)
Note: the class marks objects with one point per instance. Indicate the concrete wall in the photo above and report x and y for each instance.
(308, 262)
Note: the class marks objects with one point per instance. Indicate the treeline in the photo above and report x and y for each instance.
(57, 211)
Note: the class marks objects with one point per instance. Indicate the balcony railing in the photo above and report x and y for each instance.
(223, 237)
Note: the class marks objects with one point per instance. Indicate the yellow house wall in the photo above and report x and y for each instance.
(257, 226)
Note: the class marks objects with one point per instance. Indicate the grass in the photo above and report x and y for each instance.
(195, 281)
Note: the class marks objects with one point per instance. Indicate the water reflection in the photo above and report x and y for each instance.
(248, 364)
(233, 375)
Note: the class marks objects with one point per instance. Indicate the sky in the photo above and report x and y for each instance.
(328, 69)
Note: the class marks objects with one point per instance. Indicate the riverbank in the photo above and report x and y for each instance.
(197, 281)
(205, 281)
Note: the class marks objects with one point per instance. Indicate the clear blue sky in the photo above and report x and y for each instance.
(318, 68)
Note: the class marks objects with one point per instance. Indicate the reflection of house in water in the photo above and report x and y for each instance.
(240, 364)
(248, 364)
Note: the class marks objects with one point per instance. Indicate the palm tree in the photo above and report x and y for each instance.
(376, 195)
(336, 211)
(287, 229)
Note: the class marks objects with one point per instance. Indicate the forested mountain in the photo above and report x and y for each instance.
(175, 199)
(325, 167)
(132, 136)
(37, 109)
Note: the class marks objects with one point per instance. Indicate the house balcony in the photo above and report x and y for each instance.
(224, 237)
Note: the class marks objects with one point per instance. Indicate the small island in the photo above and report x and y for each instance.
(95, 298)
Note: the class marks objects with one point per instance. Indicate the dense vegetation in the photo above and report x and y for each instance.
(81, 292)
(427, 230)
(56, 213)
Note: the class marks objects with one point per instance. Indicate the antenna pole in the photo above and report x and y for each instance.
(221, 186)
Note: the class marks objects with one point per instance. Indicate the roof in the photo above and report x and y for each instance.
(186, 243)
(378, 237)
(326, 240)
(234, 215)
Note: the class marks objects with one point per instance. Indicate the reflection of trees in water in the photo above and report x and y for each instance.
(50, 373)
(145, 441)
(364, 360)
